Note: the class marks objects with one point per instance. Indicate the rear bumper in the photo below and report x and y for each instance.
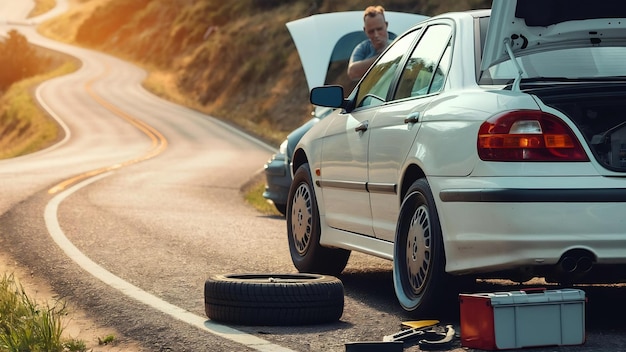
(502, 225)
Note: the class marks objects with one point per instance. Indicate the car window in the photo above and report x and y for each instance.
(569, 63)
(340, 57)
(442, 70)
(375, 85)
(345, 45)
(425, 70)
(483, 23)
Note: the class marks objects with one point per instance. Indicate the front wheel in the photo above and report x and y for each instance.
(303, 230)
(419, 259)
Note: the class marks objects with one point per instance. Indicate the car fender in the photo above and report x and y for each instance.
(455, 117)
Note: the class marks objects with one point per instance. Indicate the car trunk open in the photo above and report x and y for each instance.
(597, 109)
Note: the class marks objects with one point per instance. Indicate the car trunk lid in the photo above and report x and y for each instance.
(523, 27)
(590, 95)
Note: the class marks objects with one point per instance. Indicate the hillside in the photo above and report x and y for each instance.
(234, 60)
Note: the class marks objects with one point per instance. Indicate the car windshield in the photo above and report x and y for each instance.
(574, 63)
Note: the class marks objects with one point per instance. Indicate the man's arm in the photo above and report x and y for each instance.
(356, 69)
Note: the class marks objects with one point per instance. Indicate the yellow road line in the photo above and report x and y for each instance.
(159, 142)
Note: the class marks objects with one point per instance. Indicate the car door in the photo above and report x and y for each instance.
(345, 146)
(396, 125)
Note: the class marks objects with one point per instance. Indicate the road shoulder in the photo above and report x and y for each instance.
(78, 325)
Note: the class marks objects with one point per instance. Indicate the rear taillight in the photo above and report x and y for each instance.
(528, 135)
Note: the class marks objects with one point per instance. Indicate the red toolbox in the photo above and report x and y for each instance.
(528, 318)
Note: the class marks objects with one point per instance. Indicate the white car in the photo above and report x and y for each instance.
(487, 143)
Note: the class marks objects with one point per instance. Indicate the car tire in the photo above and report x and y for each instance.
(419, 276)
(273, 299)
(303, 230)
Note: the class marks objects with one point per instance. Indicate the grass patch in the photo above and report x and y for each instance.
(24, 127)
(163, 84)
(74, 345)
(42, 6)
(107, 340)
(26, 325)
(253, 193)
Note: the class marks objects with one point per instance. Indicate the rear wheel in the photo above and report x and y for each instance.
(419, 260)
(303, 230)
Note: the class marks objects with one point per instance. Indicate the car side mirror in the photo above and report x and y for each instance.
(328, 96)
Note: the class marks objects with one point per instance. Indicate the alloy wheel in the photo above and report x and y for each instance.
(302, 217)
(418, 250)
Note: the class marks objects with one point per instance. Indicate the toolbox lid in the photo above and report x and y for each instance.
(532, 296)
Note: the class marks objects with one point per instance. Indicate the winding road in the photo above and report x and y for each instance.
(140, 202)
(139, 193)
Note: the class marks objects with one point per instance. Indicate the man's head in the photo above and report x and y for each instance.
(375, 26)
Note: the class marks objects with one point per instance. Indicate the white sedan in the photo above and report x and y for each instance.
(487, 143)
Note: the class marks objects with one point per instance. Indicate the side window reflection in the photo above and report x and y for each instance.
(374, 87)
(340, 57)
(427, 67)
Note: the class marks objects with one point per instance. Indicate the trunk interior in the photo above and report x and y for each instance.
(599, 111)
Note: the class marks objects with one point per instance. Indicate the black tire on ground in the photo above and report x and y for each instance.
(273, 299)
(419, 277)
(303, 230)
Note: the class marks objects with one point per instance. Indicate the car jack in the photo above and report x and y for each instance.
(432, 337)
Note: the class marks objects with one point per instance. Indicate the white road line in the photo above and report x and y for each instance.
(67, 133)
(135, 292)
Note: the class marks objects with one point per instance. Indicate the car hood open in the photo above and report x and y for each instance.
(530, 26)
(318, 37)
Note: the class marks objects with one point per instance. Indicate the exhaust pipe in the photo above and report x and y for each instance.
(577, 261)
(584, 264)
(568, 264)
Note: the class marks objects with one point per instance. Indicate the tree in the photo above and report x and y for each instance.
(18, 60)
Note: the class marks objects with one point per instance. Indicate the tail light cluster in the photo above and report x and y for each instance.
(528, 135)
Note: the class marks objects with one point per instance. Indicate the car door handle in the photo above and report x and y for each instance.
(362, 127)
(413, 117)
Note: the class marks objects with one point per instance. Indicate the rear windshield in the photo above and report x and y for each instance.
(576, 63)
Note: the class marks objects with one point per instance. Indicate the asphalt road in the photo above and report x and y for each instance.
(140, 202)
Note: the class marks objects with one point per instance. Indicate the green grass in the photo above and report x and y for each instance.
(254, 196)
(24, 127)
(75, 345)
(107, 340)
(26, 325)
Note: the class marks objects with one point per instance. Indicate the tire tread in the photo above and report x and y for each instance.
(315, 301)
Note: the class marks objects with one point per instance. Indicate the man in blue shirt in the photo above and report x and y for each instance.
(366, 52)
